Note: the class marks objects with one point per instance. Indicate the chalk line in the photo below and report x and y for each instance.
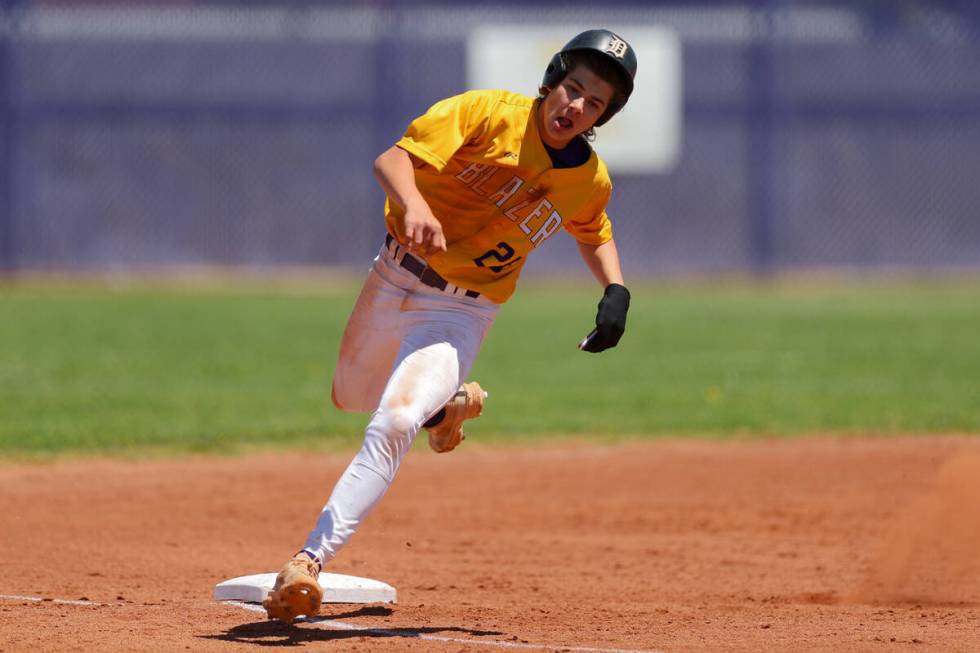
(38, 599)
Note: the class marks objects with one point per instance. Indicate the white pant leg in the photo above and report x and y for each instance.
(369, 345)
(440, 337)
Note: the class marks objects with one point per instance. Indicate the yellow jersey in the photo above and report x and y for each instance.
(492, 186)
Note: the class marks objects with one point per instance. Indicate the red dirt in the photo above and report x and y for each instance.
(797, 545)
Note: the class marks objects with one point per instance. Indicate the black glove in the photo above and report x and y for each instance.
(610, 321)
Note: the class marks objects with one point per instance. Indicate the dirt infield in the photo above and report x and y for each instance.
(798, 545)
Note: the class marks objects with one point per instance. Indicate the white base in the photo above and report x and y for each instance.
(337, 588)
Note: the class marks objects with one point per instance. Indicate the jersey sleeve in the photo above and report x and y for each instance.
(447, 126)
(592, 226)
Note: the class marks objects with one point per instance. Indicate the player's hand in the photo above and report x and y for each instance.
(610, 321)
(423, 232)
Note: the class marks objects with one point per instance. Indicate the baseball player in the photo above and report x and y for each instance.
(474, 187)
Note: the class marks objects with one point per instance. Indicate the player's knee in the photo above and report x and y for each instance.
(335, 398)
(346, 401)
(397, 422)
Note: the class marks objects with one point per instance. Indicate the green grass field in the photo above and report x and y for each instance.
(92, 370)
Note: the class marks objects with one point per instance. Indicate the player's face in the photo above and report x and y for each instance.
(574, 106)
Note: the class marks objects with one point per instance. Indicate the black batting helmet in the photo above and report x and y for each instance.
(606, 43)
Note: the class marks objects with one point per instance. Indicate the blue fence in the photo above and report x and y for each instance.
(147, 135)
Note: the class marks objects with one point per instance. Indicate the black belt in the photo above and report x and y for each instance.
(421, 269)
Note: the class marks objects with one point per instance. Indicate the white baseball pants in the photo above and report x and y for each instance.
(406, 350)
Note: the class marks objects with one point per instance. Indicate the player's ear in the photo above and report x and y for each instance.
(544, 90)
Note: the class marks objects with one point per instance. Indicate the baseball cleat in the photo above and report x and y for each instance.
(297, 591)
(466, 404)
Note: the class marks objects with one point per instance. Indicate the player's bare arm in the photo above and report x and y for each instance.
(610, 321)
(603, 262)
(395, 171)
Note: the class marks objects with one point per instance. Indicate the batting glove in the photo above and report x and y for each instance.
(610, 321)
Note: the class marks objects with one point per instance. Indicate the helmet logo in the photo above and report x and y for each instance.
(617, 47)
